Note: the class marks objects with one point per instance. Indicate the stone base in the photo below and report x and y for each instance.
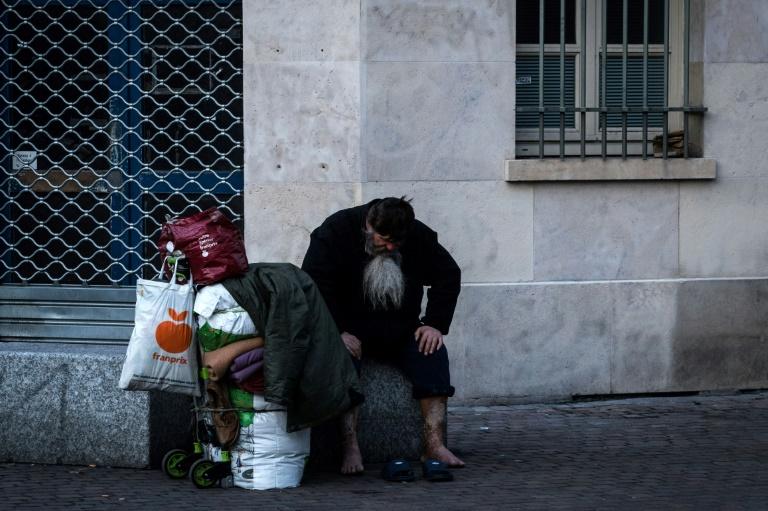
(390, 424)
(61, 404)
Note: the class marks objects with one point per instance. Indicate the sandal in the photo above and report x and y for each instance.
(398, 470)
(435, 471)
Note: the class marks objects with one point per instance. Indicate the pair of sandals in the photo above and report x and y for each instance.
(400, 470)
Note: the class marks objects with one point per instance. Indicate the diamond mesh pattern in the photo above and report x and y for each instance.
(113, 116)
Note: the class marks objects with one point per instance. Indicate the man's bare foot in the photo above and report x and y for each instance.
(441, 453)
(352, 460)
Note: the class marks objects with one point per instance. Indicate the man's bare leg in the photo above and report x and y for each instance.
(352, 460)
(433, 410)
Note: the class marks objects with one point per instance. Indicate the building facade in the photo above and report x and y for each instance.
(612, 273)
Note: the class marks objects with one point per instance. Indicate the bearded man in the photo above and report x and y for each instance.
(371, 264)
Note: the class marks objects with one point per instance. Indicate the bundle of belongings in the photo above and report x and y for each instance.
(269, 337)
(272, 359)
(263, 454)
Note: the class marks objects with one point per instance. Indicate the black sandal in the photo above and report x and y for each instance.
(398, 470)
(435, 471)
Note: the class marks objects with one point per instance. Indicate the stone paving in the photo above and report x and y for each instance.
(694, 452)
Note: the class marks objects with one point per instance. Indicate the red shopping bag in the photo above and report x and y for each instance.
(211, 243)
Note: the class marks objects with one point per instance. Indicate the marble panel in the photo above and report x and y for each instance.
(438, 121)
(456, 345)
(723, 232)
(720, 332)
(301, 30)
(527, 342)
(644, 322)
(737, 120)
(486, 225)
(736, 31)
(605, 231)
(302, 121)
(439, 30)
(737, 92)
(279, 217)
(534, 340)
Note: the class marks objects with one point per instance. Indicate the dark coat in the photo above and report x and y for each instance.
(306, 366)
(336, 259)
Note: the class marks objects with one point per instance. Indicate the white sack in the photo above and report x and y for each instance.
(266, 456)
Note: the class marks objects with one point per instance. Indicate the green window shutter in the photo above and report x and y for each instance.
(614, 86)
(527, 90)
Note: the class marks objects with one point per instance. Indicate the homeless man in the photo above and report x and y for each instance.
(370, 264)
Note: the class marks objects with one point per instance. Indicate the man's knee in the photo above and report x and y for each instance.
(429, 374)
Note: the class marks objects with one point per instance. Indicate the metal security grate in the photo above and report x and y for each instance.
(113, 115)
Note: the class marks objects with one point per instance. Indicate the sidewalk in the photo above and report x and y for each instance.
(699, 452)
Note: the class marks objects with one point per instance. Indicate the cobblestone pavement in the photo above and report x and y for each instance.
(693, 452)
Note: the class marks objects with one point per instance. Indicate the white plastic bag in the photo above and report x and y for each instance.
(233, 321)
(162, 351)
(215, 306)
(266, 456)
(213, 298)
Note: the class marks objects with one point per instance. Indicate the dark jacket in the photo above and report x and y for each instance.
(306, 366)
(336, 259)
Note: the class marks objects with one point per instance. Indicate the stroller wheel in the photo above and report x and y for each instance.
(202, 474)
(173, 464)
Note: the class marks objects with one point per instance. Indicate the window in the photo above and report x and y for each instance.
(585, 82)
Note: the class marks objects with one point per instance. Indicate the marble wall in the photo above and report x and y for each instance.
(721, 232)
(534, 341)
(570, 288)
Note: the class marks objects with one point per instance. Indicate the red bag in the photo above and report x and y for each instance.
(211, 243)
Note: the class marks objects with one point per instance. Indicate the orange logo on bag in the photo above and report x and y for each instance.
(174, 336)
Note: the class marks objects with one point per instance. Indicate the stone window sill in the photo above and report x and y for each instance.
(610, 169)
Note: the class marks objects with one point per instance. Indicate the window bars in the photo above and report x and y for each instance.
(627, 75)
(114, 114)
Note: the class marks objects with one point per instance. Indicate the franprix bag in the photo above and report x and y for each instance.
(211, 243)
(162, 353)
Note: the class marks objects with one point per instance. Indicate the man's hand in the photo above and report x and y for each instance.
(353, 344)
(429, 339)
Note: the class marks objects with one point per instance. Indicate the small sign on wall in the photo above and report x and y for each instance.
(24, 159)
(524, 80)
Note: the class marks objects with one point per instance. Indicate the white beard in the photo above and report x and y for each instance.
(383, 282)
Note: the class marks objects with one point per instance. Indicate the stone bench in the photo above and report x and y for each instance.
(61, 404)
(390, 423)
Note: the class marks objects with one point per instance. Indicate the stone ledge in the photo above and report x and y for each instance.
(610, 169)
(61, 404)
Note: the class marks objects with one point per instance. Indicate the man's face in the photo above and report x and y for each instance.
(377, 244)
